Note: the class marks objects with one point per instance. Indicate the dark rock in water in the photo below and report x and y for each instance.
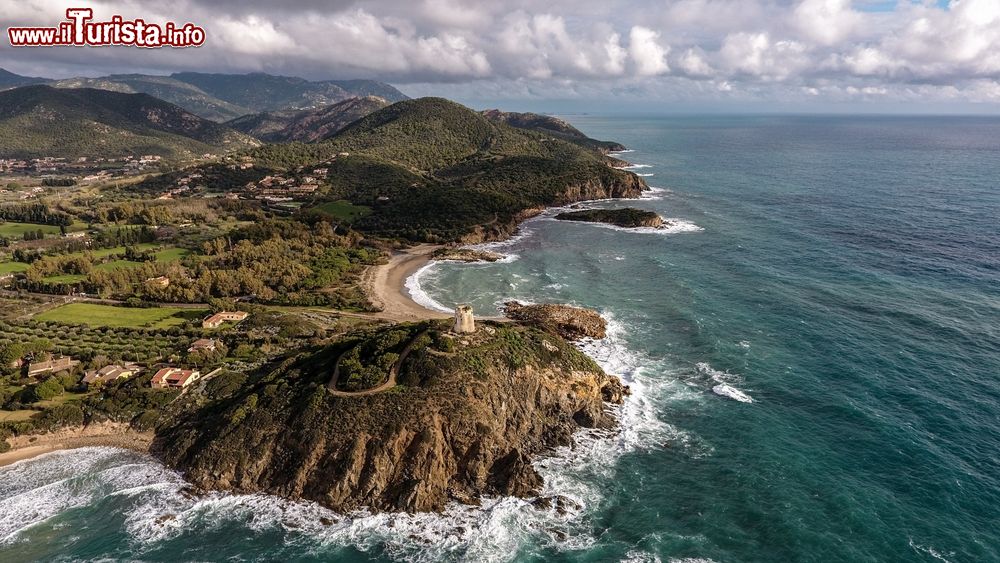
(569, 322)
(628, 217)
(542, 503)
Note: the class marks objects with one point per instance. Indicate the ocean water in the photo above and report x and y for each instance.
(813, 346)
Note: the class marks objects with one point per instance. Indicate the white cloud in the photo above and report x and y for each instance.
(649, 56)
(751, 48)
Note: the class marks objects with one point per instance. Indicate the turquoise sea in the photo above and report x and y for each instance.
(813, 346)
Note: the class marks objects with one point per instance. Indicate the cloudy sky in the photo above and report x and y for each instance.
(886, 55)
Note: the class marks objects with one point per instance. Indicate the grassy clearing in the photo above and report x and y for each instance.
(62, 399)
(94, 314)
(18, 229)
(16, 416)
(172, 254)
(12, 267)
(343, 210)
(105, 252)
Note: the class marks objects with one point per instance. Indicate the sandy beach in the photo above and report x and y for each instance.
(386, 285)
(106, 434)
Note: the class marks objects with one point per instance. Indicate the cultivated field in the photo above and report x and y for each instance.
(94, 314)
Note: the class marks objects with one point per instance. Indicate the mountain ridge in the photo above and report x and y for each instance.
(222, 97)
(306, 125)
(41, 120)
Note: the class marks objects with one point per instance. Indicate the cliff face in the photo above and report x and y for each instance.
(605, 184)
(468, 414)
(615, 184)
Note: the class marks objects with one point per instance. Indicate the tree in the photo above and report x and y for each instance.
(46, 390)
(10, 353)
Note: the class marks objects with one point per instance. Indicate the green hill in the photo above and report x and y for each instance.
(45, 121)
(265, 92)
(432, 169)
(165, 88)
(550, 126)
(306, 125)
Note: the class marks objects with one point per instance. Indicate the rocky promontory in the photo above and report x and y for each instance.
(569, 322)
(464, 419)
(628, 217)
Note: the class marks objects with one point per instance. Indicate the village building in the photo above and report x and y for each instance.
(216, 320)
(50, 366)
(161, 281)
(176, 378)
(203, 344)
(108, 373)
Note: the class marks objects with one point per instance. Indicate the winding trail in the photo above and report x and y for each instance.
(389, 382)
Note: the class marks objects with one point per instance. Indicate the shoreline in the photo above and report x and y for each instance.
(385, 285)
(108, 434)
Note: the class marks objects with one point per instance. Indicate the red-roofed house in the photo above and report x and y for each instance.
(174, 377)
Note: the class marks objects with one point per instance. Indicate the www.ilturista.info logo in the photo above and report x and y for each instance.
(79, 31)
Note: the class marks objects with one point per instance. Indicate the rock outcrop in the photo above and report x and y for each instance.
(608, 184)
(628, 217)
(466, 255)
(569, 322)
(468, 416)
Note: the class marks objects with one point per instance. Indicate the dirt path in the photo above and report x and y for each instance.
(390, 381)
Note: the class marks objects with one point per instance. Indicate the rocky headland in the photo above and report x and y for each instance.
(465, 419)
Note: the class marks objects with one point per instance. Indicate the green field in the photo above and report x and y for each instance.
(165, 255)
(12, 267)
(18, 229)
(343, 210)
(172, 254)
(105, 252)
(94, 314)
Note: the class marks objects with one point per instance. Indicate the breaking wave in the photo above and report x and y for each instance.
(419, 295)
(725, 383)
(158, 508)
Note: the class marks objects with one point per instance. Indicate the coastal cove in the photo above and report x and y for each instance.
(798, 271)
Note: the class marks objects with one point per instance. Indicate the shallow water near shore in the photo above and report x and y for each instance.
(841, 274)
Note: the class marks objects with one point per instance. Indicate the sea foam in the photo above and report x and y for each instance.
(724, 383)
(419, 295)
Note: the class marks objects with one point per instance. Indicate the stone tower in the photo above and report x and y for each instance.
(464, 321)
